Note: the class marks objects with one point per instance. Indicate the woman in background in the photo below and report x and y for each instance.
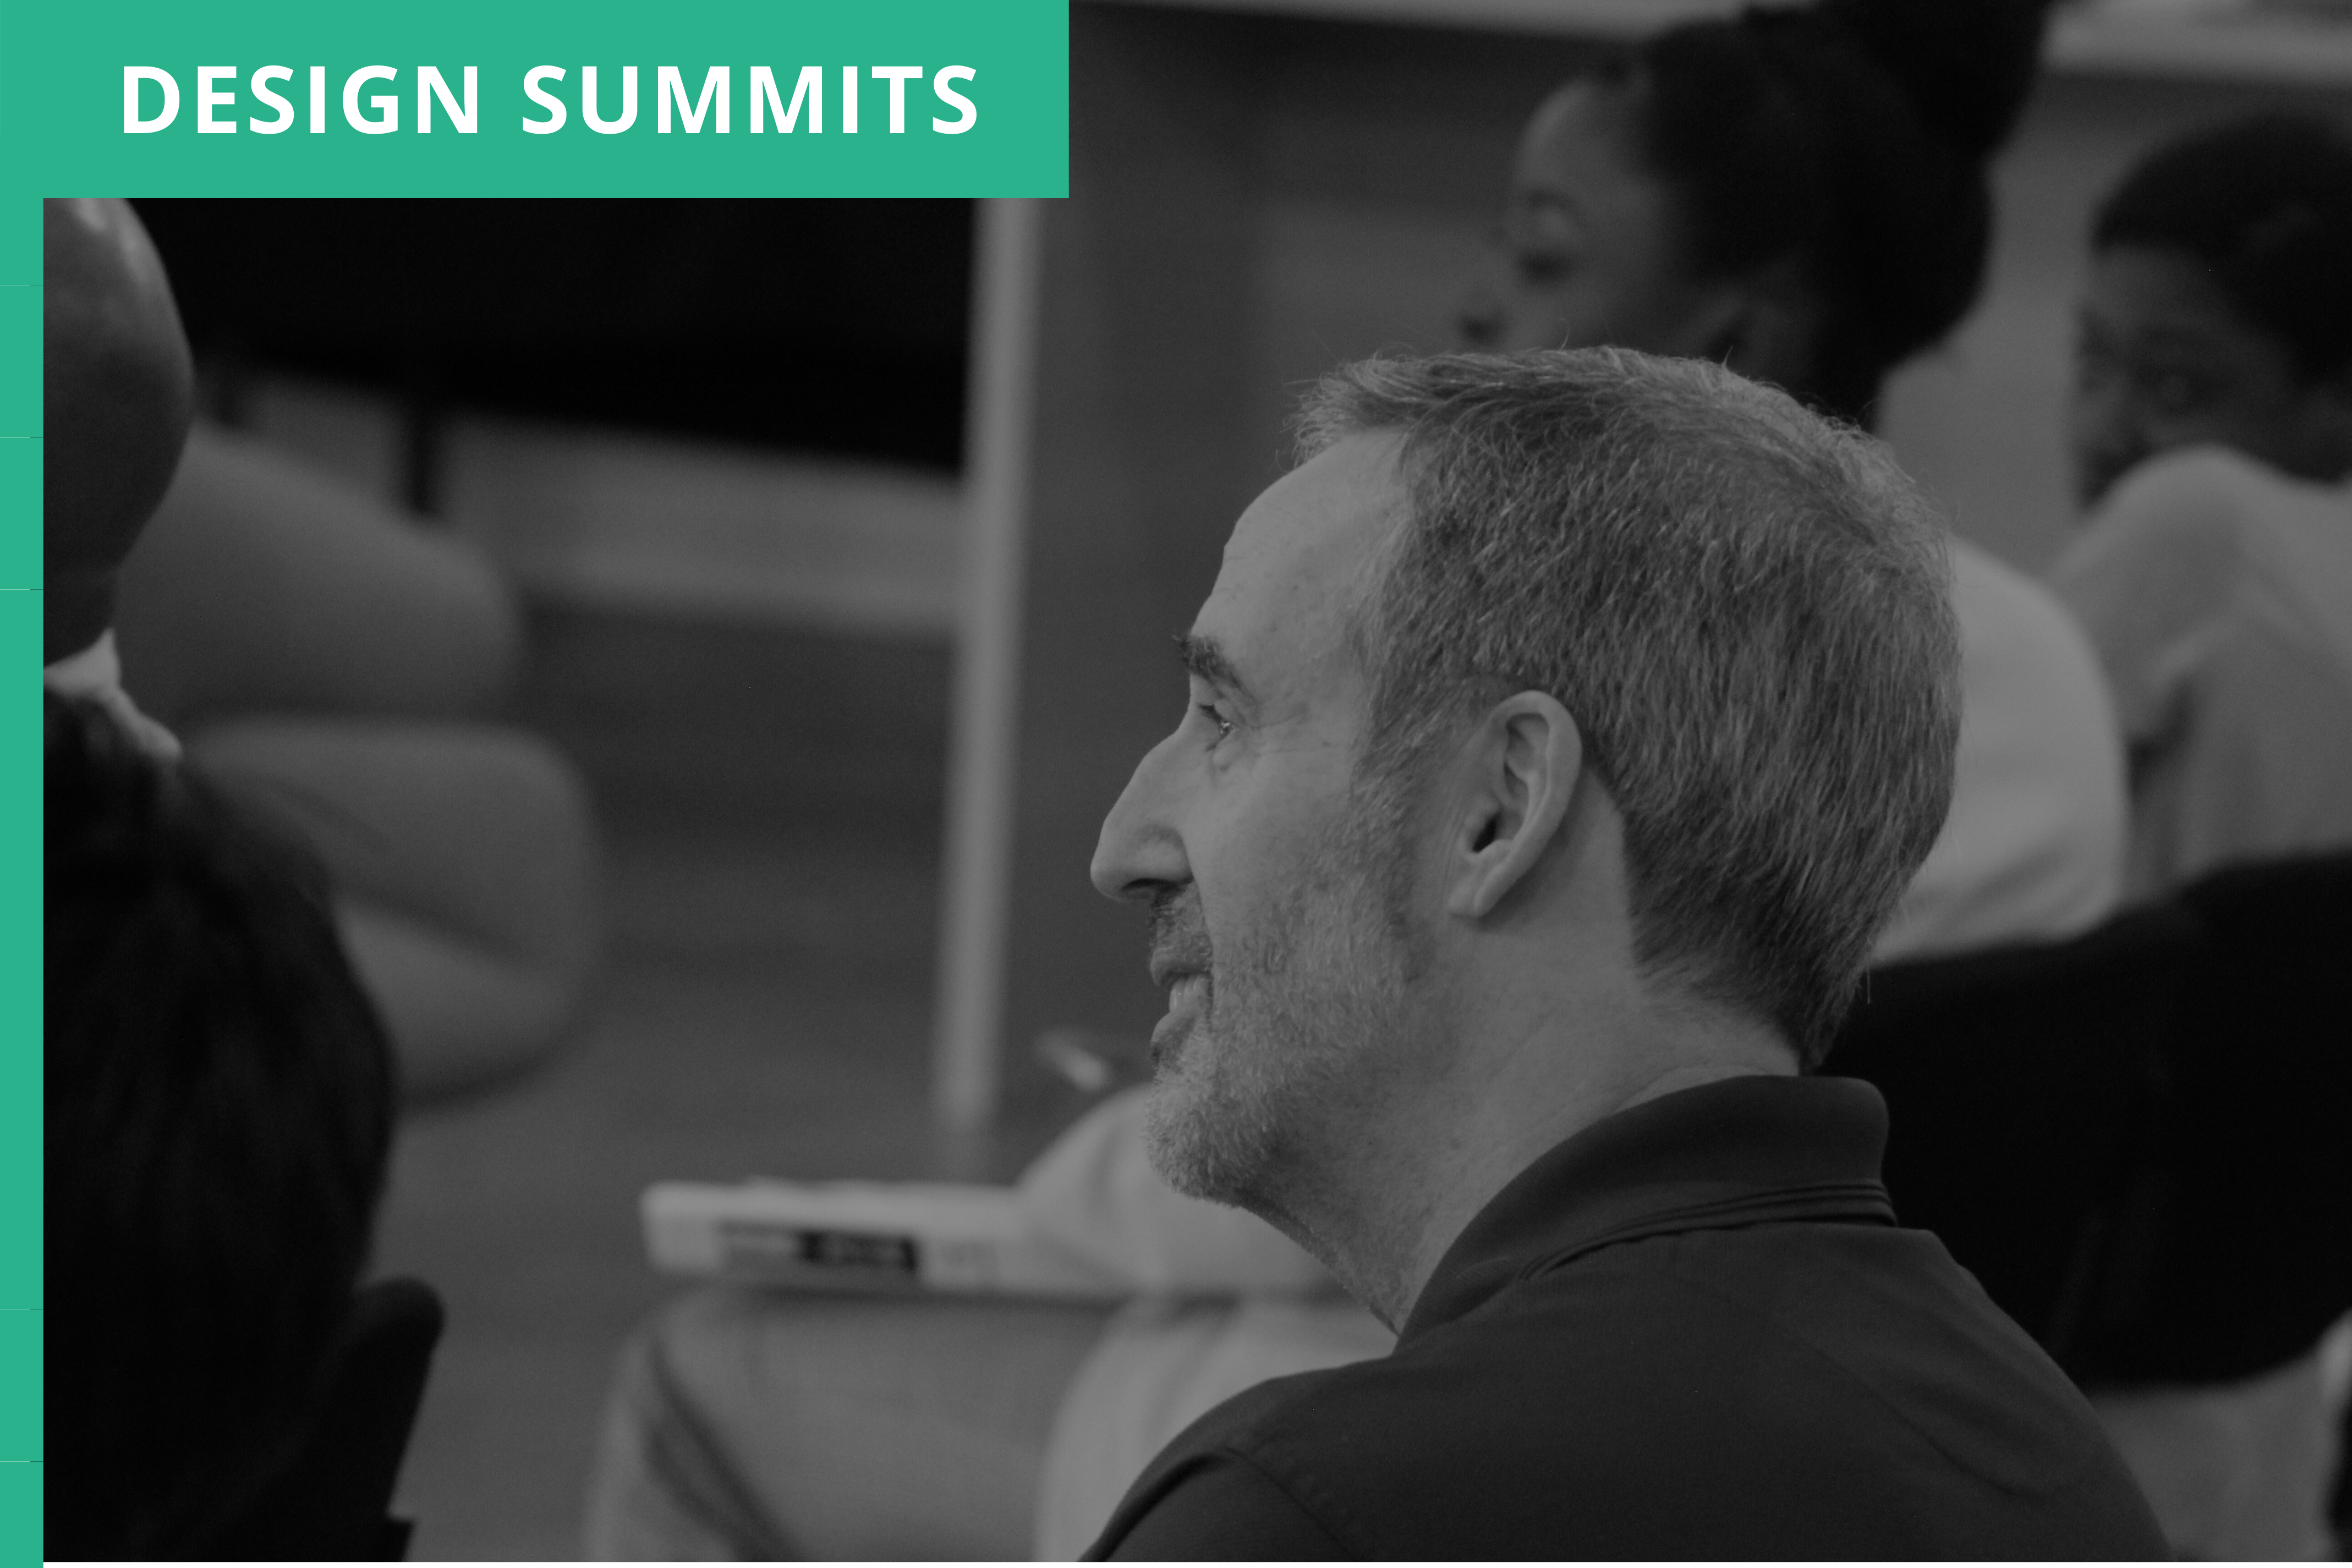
(2213, 435)
(1802, 194)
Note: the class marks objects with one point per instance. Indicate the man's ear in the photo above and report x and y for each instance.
(1518, 772)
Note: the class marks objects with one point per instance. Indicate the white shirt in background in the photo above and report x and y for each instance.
(2033, 849)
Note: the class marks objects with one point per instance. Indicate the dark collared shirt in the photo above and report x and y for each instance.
(1694, 1330)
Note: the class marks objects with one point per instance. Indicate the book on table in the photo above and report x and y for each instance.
(862, 1235)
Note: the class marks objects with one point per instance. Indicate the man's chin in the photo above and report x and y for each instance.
(1184, 1129)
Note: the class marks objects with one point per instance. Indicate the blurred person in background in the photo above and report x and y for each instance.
(216, 1119)
(2213, 444)
(328, 663)
(1800, 195)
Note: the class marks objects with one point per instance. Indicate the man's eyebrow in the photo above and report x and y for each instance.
(1204, 657)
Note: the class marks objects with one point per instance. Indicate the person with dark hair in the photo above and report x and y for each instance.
(1802, 195)
(217, 1118)
(1561, 731)
(2212, 436)
(2218, 313)
(1799, 193)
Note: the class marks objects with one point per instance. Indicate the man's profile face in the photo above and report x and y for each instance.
(1271, 932)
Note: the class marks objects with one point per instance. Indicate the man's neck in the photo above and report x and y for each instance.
(1382, 1217)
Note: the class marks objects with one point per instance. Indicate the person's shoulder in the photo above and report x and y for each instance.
(1209, 1493)
(2210, 477)
(1615, 1335)
(1808, 1389)
(1217, 1506)
(2013, 624)
(2168, 545)
(1981, 580)
(2195, 497)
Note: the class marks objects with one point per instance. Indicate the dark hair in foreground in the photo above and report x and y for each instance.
(1743, 606)
(217, 1115)
(1850, 139)
(2265, 204)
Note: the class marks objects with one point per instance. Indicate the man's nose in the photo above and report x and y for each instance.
(1141, 851)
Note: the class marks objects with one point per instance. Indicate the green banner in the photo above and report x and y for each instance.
(885, 98)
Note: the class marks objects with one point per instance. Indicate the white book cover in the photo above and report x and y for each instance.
(862, 1235)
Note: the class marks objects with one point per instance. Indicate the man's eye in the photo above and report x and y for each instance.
(1209, 710)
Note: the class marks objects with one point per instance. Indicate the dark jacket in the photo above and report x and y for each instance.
(1694, 1330)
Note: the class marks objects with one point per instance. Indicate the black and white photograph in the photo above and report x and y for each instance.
(1575, 783)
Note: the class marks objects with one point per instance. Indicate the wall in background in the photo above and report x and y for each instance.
(838, 327)
(644, 522)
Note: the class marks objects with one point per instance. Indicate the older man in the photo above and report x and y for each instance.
(1562, 728)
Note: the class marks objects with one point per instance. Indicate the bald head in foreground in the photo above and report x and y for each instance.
(1561, 731)
(117, 388)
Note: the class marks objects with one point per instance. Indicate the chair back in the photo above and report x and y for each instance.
(2241, 1254)
(2019, 1082)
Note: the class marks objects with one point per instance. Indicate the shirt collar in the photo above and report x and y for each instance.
(1735, 1153)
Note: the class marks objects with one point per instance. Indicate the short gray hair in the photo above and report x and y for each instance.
(1745, 607)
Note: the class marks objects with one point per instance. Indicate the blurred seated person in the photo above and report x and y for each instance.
(325, 659)
(1798, 195)
(217, 1116)
(2212, 436)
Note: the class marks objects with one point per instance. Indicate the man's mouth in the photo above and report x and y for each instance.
(1179, 966)
(1167, 969)
(1188, 995)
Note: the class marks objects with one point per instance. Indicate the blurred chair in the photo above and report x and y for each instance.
(333, 662)
(332, 1501)
(2240, 1254)
(2020, 1084)
(264, 585)
(463, 859)
(2137, 1141)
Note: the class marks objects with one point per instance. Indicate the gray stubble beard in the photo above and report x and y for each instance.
(1292, 1021)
